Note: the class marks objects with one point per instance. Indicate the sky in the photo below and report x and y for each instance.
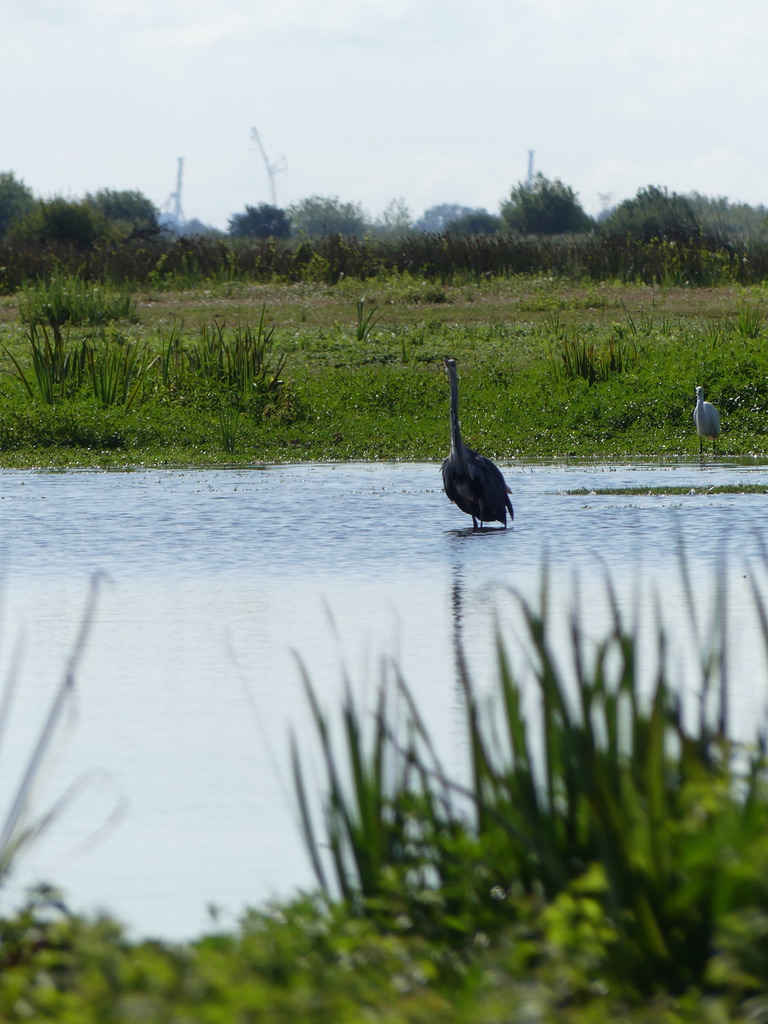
(369, 101)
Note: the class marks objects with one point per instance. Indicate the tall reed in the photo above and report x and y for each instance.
(577, 357)
(241, 358)
(114, 372)
(21, 826)
(117, 372)
(366, 322)
(179, 262)
(750, 318)
(605, 783)
(68, 299)
(57, 371)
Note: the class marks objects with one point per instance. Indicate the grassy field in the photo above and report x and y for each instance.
(353, 370)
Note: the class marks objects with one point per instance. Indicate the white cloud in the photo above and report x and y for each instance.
(434, 100)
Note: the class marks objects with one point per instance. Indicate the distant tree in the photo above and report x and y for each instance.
(130, 209)
(15, 200)
(262, 221)
(196, 228)
(654, 212)
(477, 222)
(395, 220)
(437, 218)
(544, 207)
(319, 215)
(723, 219)
(72, 221)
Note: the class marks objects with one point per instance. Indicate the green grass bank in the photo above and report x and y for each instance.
(235, 372)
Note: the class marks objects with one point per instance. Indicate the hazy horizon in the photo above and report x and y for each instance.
(372, 101)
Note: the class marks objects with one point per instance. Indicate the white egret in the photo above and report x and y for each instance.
(707, 419)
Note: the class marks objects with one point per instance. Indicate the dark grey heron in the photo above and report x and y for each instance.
(707, 419)
(470, 480)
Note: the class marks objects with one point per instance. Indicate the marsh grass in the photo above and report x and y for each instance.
(439, 260)
(572, 378)
(366, 321)
(18, 829)
(576, 358)
(664, 491)
(69, 300)
(609, 802)
(62, 371)
(117, 372)
(581, 357)
(716, 330)
(57, 370)
(229, 424)
(749, 319)
(241, 359)
(641, 324)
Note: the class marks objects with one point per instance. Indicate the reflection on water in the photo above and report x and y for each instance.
(219, 580)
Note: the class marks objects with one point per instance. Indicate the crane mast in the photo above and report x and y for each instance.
(273, 167)
(172, 205)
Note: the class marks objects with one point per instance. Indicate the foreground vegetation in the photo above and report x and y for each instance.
(603, 858)
(233, 371)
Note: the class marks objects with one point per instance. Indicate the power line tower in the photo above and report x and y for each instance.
(529, 182)
(172, 205)
(273, 169)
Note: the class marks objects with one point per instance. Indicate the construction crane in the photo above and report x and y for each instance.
(172, 206)
(272, 168)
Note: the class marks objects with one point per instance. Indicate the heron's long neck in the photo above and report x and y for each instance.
(457, 445)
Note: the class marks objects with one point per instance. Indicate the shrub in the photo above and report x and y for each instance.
(654, 213)
(68, 300)
(15, 200)
(71, 222)
(544, 207)
(262, 221)
(320, 216)
(132, 211)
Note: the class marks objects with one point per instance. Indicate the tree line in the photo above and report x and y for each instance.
(540, 207)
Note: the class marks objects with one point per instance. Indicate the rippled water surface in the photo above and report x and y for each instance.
(174, 759)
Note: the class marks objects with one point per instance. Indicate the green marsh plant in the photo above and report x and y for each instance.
(646, 325)
(607, 789)
(240, 359)
(576, 358)
(117, 372)
(642, 325)
(366, 321)
(69, 300)
(113, 371)
(715, 331)
(749, 319)
(19, 828)
(57, 370)
(229, 423)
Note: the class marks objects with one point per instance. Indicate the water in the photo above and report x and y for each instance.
(173, 763)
